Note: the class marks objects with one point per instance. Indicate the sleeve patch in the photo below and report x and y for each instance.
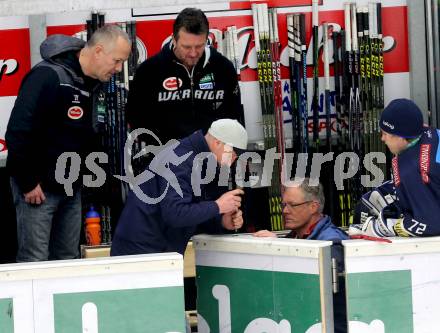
(425, 162)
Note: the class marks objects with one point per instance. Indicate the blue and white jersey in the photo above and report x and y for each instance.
(416, 176)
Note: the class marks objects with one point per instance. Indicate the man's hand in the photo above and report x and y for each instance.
(230, 202)
(233, 221)
(35, 197)
(265, 233)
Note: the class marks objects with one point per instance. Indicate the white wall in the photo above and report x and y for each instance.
(32, 7)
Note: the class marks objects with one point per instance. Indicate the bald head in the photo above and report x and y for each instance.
(105, 53)
(107, 36)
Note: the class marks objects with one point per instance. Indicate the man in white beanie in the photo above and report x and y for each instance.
(178, 208)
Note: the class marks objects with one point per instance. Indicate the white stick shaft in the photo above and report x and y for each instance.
(290, 36)
(347, 27)
(326, 58)
(354, 28)
(315, 15)
(256, 32)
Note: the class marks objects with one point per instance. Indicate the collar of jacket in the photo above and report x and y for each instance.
(60, 50)
(306, 235)
(70, 62)
(198, 142)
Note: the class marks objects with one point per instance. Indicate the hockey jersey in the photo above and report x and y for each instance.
(416, 176)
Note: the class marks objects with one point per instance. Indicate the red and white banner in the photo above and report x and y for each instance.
(14, 64)
(154, 28)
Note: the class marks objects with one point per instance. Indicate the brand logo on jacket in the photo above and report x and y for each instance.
(207, 82)
(208, 95)
(205, 86)
(172, 83)
(425, 162)
(76, 99)
(208, 78)
(75, 112)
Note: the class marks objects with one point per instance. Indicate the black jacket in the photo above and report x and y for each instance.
(174, 111)
(52, 115)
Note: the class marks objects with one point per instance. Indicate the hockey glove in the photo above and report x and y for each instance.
(379, 198)
(375, 226)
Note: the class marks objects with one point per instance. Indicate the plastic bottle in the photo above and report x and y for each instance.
(93, 227)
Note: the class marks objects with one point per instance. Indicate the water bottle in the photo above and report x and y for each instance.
(93, 227)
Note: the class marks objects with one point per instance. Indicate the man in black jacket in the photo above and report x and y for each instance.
(53, 115)
(186, 86)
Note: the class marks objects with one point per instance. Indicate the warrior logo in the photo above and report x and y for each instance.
(206, 95)
(425, 152)
(75, 112)
(172, 83)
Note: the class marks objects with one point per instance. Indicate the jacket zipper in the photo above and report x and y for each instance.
(191, 77)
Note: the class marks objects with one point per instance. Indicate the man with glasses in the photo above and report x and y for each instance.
(53, 114)
(167, 224)
(302, 207)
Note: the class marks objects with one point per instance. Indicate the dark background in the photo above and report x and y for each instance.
(8, 225)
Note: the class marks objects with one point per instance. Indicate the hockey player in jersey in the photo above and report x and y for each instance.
(186, 86)
(412, 206)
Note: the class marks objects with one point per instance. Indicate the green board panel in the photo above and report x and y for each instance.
(152, 310)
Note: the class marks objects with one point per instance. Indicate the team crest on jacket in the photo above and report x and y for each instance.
(207, 82)
(172, 83)
(75, 112)
(207, 78)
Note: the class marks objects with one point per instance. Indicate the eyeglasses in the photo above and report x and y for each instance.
(292, 206)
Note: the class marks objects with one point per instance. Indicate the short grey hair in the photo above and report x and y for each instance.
(106, 35)
(312, 190)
